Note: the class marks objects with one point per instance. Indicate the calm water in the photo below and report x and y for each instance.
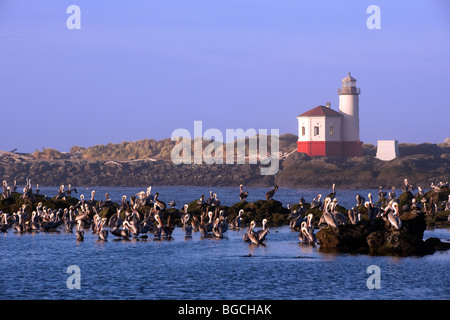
(34, 265)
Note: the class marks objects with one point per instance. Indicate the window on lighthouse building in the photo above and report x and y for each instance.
(316, 130)
(331, 130)
(303, 131)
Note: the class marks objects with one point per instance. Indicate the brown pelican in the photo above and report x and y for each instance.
(305, 234)
(206, 226)
(236, 223)
(217, 228)
(339, 216)
(80, 231)
(327, 216)
(34, 222)
(392, 195)
(353, 216)
(4, 225)
(187, 228)
(115, 220)
(19, 225)
(257, 237)
(359, 200)
(307, 230)
(393, 217)
(242, 194)
(333, 193)
(158, 203)
(162, 231)
(316, 203)
(68, 220)
(271, 193)
(102, 233)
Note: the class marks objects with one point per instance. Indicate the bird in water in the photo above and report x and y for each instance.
(307, 230)
(80, 231)
(257, 237)
(102, 233)
(236, 223)
(187, 227)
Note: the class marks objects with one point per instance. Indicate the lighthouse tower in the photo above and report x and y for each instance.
(323, 131)
(349, 108)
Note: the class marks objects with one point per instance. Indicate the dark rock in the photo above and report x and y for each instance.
(378, 237)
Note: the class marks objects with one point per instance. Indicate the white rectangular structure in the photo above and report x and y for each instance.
(387, 150)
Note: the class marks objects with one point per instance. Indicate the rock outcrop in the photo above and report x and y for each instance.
(380, 238)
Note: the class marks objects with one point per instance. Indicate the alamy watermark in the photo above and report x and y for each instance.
(74, 280)
(213, 152)
(374, 280)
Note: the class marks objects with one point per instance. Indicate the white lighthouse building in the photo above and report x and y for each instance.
(326, 132)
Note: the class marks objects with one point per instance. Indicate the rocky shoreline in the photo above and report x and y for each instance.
(296, 171)
(375, 237)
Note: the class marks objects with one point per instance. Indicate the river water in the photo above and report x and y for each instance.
(34, 266)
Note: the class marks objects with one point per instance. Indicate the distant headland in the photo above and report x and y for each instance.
(148, 162)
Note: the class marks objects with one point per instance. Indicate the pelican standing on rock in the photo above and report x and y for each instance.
(339, 216)
(242, 194)
(327, 216)
(316, 203)
(393, 217)
(271, 193)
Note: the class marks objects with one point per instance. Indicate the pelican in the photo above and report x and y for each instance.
(236, 223)
(327, 216)
(115, 220)
(392, 195)
(354, 216)
(217, 228)
(187, 228)
(307, 230)
(80, 232)
(333, 193)
(257, 237)
(205, 227)
(296, 220)
(359, 200)
(393, 217)
(316, 203)
(159, 203)
(340, 218)
(242, 194)
(34, 222)
(4, 226)
(305, 234)
(102, 233)
(271, 193)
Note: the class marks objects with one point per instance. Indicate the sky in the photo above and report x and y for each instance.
(141, 69)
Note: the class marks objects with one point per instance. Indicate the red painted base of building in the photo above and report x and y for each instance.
(331, 148)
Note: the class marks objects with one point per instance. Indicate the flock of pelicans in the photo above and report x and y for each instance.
(131, 222)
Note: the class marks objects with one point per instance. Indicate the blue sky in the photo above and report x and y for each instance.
(141, 69)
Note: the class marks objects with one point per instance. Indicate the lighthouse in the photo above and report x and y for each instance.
(349, 108)
(323, 131)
